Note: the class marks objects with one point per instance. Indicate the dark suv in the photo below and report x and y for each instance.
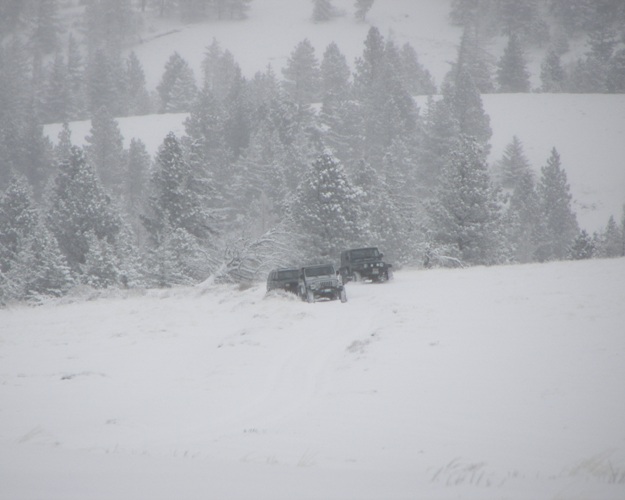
(286, 279)
(364, 264)
(321, 282)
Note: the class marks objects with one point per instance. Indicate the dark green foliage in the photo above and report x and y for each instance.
(323, 10)
(583, 247)
(513, 165)
(177, 89)
(558, 223)
(465, 103)
(466, 215)
(78, 206)
(105, 150)
(178, 198)
(104, 83)
(552, 74)
(31, 264)
(439, 132)
(512, 74)
(45, 28)
(611, 240)
(362, 7)
(326, 210)
(474, 59)
(523, 218)
(110, 24)
(136, 96)
(302, 77)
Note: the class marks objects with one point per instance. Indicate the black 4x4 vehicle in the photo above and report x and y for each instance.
(364, 264)
(283, 279)
(320, 282)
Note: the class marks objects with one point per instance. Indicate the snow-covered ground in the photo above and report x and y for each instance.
(503, 382)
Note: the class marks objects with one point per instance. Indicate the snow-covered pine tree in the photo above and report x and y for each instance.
(512, 74)
(326, 210)
(466, 105)
(109, 24)
(76, 81)
(44, 26)
(15, 105)
(104, 82)
(302, 76)
(583, 247)
(105, 150)
(523, 19)
(610, 240)
(465, 219)
(234, 9)
(473, 58)
(136, 96)
(57, 102)
(615, 79)
(100, 268)
(559, 226)
(513, 164)
(339, 116)
(522, 219)
(552, 74)
(177, 89)
(362, 8)
(440, 130)
(622, 227)
(31, 263)
(18, 218)
(415, 78)
(221, 73)
(387, 109)
(208, 146)
(78, 205)
(323, 10)
(136, 178)
(62, 149)
(179, 221)
(335, 78)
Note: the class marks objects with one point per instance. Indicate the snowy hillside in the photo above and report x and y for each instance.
(587, 130)
(480, 383)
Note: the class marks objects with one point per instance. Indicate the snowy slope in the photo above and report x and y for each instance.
(501, 382)
(275, 27)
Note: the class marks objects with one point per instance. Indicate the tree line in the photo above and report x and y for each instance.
(273, 171)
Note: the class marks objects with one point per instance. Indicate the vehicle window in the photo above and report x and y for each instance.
(319, 271)
(365, 253)
(288, 275)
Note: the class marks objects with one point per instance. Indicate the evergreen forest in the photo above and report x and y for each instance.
(280, 169)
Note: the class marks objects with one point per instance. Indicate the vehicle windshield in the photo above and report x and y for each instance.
(311, 272)
(364, 253)
(291, 274)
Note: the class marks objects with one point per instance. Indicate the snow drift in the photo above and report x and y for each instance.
(473, 383)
